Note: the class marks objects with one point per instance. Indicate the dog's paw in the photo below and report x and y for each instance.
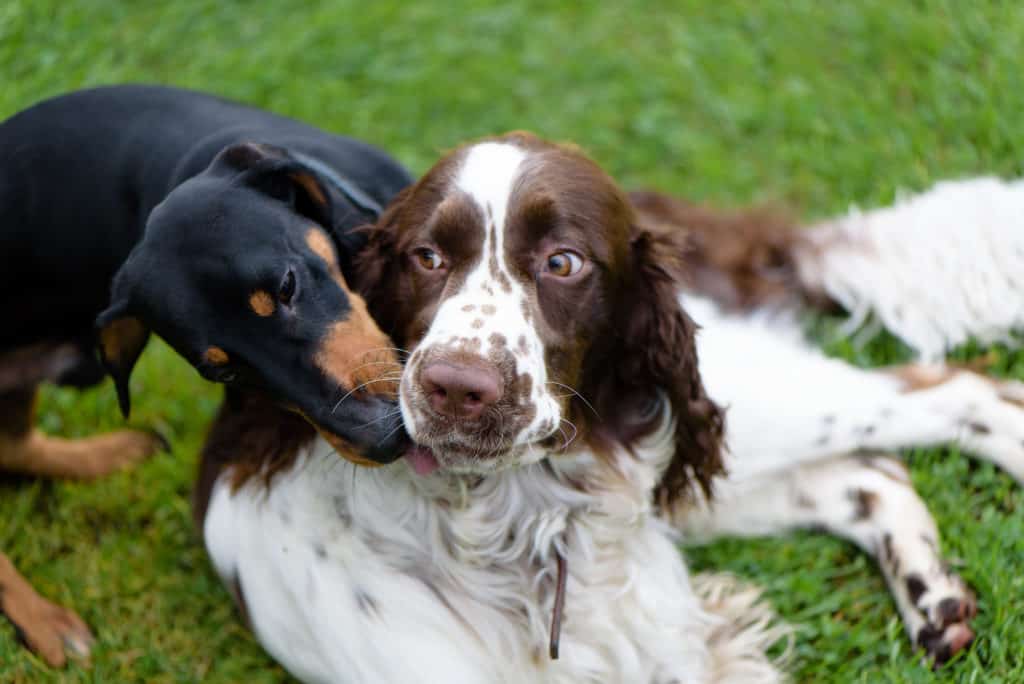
(114, 451)
(51, 631)
(946, 608)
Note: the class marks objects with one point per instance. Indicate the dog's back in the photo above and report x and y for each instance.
(82, 171)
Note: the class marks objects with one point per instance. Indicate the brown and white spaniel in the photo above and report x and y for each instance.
(552, 389)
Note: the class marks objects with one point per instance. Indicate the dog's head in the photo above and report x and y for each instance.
(537, 313)
(241, 270)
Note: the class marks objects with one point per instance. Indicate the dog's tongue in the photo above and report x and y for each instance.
(422, 460)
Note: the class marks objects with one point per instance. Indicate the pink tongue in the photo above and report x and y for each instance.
(422, 460)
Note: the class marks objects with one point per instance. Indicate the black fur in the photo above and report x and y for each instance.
(186, 203)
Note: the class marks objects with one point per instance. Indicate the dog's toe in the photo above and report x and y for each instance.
(946, 631)
(942, 643)
(51, 631)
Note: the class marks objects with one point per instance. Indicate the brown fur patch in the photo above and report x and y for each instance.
(262, 303)
(32, 364)
(312, 188)
(320, 244)
(122, 338)
(252, 436)
(356, 354)
(742, 259)
(216, 356)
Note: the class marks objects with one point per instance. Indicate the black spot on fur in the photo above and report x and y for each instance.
(320, 551)
(822, 441)
(915, 587)
(888, 555)
(341, 510)
(366, 603)
(865, 430)
(930, 638)
(804, 501)
(979, 428)
(864, 501)
(950, 610)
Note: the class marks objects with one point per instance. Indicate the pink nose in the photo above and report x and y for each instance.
(460, 391)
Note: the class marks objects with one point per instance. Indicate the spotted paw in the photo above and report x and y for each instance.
(946, 611)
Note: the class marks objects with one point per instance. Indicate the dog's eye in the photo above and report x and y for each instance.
(428, 259)
(564, 264)
(287, 289)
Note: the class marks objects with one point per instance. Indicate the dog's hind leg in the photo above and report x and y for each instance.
(46, 628)
(27, 450)
(869, 500)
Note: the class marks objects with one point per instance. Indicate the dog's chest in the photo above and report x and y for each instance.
(351, 579)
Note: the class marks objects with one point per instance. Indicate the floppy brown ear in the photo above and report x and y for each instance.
(120, 340)
(377, 265)
(655, 357)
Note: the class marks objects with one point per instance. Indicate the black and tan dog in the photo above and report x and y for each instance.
(225, 230)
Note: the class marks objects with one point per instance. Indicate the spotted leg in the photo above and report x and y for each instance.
(870, 501)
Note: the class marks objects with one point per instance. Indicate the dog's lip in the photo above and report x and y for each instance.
(386, 451)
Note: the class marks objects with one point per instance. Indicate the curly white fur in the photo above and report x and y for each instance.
(354, 575)
(935, 268)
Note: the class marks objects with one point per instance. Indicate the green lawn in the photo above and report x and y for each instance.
(818, 104)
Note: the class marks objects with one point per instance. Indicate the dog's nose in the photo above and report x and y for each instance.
(460, 391)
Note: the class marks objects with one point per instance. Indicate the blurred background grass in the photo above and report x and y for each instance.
(815, 104)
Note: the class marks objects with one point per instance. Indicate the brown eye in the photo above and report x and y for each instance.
(428, 259)
(564, 264)
(287, 289)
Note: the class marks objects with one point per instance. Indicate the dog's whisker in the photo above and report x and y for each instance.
(574, 433)
(361, 386)
(574, 392)
(386, 416)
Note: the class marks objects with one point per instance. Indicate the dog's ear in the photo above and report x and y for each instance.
(120, 339)
(377, 264)
(274, 171)
(656, 362)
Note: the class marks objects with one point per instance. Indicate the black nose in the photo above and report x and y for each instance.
(460, 390)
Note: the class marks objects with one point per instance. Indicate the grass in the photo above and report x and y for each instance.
(819, 105)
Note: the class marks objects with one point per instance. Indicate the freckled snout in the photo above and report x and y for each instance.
(460, 390)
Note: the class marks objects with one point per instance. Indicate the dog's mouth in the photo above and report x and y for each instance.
(457, 458)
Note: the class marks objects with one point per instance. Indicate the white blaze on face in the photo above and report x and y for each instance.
(486, 315)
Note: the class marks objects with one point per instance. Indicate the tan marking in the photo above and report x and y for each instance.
(122, 337)
(216, 356)
(346, 450)
(917, 377)
(312, 188)
(262, 303)
(489, 309)
(318, 241)
(357, 355)
(477, 324)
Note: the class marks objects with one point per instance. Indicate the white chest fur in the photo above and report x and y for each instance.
(354, 575)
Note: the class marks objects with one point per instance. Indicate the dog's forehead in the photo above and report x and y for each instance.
(488, 176)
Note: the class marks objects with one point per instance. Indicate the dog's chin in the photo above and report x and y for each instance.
(459, 458)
